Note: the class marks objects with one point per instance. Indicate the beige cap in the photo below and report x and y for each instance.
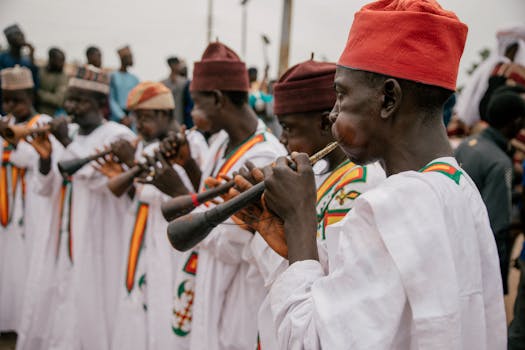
(90, 78)
(16, 78)
(150, 95)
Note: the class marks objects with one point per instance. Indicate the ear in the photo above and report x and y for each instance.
(220, 99)
(392, 96)
(326, 124)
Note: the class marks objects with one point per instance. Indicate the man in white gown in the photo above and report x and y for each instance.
(414, 264)
(226, 291)
(24, 214)
(97, 221)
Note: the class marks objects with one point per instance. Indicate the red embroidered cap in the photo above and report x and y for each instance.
(306, 87)
(219, 69)
(410, 39)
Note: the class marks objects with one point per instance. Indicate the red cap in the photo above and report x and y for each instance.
(409, 39)
(219, 69)
(306, 87)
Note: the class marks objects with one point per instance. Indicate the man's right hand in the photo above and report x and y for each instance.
(59, 129)
(124, 151)
(42, 145)
(257, 216)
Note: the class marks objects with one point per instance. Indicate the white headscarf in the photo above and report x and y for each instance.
(467, 107)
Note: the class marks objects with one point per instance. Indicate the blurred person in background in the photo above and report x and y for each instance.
(94, 56)
(122, 82)
(178, 83)
(20, 52)
(486, 159)
(53, 84)
(261, 101)
(510, 49)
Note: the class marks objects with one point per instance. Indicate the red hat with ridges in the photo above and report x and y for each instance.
(410, 39)
(219, 69)
(306, 87)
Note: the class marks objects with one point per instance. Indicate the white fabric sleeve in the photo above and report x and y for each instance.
(44, 185)
(198, 146)
(226, 242)
(98, 182)
(24, 156)
(359, 304)
(271, 265)
(268, 262)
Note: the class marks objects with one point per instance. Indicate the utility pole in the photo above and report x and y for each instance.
(244, 28)
(284, 50)
(210, 20)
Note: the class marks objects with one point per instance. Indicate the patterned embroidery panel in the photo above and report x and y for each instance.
(335, 200)
(183, 296)
(445, 169)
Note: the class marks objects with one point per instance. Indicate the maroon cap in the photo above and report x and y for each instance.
(306, 87)
(219, 69)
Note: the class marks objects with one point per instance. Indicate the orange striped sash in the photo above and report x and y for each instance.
(5, 184)
(135, 245)
(4, 187)
(237, 153)
(9, 176)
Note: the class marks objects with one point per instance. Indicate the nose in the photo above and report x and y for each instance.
(333, 115)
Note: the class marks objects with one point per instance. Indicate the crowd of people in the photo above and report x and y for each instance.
(399, 237)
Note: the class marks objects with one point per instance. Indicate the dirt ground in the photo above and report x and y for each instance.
(7, 341)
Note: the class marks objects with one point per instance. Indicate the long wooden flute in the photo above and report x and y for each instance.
(187, 231)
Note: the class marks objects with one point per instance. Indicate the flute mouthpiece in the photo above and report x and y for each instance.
(323, 153)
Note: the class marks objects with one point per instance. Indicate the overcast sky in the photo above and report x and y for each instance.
(156, 29)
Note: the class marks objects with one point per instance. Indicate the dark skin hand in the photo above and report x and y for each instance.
(108, 166)
(31, 51)
(296, 238)
(177, 149)
(297, 208)
(163, 176)
(59, 129)
(124, 151)
(42, 145)
(257, 216)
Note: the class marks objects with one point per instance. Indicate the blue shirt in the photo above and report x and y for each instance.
(120, 86)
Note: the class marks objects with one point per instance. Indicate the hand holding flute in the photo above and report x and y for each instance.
(153, 170)
(256, 216)
(187, 231)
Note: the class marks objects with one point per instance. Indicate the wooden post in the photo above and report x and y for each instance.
(210, 20)
(284, 50)
(244, 28)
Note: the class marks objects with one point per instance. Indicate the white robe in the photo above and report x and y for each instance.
(412, 266)
(228, 291)
(271, 265)
(27, 225)
(98, 220)
(40, 291)
(144, 318)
